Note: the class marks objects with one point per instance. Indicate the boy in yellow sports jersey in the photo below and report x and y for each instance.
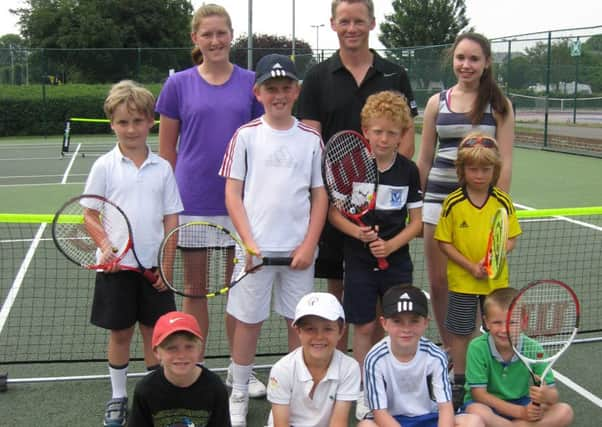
(462, 233)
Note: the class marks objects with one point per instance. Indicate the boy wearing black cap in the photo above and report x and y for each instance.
(276, 199)
(180, 392)
(405, 374)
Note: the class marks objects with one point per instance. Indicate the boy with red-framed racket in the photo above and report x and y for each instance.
(143, 186)
(463, 233)
(385, 230)
(498, 383)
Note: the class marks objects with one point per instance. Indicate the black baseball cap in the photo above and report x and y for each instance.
(275, 65)
(405, 299)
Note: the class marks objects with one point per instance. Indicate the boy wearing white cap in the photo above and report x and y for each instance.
(315, 384)
(180, 392)
(405, 374)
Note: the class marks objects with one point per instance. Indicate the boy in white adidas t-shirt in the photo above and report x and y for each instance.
(276, 199)
(405, 375)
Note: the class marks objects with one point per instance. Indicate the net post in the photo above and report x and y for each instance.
(66, 137)
(3, 382)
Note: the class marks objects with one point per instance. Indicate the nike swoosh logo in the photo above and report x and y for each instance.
(175, 319)
(388, 74)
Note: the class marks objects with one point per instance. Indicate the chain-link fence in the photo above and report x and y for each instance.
(554, 80)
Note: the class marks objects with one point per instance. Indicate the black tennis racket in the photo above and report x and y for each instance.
(95, 233)
(351, 176)
(203, 260)
(541, 324)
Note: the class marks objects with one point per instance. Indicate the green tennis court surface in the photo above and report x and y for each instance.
(44, 329)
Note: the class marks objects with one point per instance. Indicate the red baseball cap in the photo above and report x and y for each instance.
(174, 321)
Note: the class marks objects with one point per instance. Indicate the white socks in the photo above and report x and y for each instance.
(240, 377)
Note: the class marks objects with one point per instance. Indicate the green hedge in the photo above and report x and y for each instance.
(42, 110)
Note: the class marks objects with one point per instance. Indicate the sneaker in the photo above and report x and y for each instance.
(361, 409)
(256, 388)
(116, 413)
(239, 407)
(457, 396)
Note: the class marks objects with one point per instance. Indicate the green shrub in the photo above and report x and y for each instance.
(43, 109)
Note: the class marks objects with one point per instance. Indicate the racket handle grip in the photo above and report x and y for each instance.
(277, 261)
(383, 264)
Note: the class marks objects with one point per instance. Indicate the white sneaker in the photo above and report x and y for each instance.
(256, 388)
(361, 409)
(239, 407)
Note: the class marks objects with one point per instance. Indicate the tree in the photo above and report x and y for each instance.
(264, 44)
(422, 23)
(104, 24)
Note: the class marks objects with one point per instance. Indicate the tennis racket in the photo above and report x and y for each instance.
(495, 256)
(95, 234)
(203, 260)
(351, 177)
(541, 324)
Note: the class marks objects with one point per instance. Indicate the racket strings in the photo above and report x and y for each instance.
(91, 232)
(548, 318)
(350, 173)
(197, 259)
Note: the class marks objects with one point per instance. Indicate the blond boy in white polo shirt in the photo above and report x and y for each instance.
(315, 384)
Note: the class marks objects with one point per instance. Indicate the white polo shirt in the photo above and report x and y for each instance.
(290, 384)
(145, 194)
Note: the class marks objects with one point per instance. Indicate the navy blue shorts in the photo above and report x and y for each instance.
(121, 299)
(329, 264)
(364, 286)
(523, 401)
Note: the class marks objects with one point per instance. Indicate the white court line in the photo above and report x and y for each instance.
(7, 159)
(564, 218)
(40, 184)
(70, 165)
(38, 176)
(578, 389)
(16, 286)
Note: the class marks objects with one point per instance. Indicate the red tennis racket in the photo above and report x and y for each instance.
(541, 324)
(95, 234)
(351, 177)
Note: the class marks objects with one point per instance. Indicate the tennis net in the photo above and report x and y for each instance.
(46, 299)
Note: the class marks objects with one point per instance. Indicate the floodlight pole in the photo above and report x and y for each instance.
(250, 37)
(317, 27)
(293, 41)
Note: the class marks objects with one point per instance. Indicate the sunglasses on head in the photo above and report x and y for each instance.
(485, 141)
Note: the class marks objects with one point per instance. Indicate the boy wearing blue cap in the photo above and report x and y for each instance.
(276, 199)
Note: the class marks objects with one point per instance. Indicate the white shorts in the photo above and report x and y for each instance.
(249, 300)
(431, 213)
(219, 239)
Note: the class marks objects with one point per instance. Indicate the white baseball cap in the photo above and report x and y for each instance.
(319, 304)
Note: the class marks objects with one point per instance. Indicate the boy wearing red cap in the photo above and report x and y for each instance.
(181, 392)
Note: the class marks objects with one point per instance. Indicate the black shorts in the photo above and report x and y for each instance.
(462, 312)
(329, 264)
(364, 286)
(121, 299)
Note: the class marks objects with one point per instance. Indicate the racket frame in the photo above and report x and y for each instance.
(549, 360)
(129, 246)
(237, 243)
(490, 254)
(356, 217)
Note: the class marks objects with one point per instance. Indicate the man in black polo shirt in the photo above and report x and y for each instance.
(332, 97)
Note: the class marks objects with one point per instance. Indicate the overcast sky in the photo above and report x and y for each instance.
(492, 18)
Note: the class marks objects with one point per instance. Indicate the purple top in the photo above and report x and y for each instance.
(209, 115)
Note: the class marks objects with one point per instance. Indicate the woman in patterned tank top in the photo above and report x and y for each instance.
(474, 104)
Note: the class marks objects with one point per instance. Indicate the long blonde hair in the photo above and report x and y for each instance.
(205, 11)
